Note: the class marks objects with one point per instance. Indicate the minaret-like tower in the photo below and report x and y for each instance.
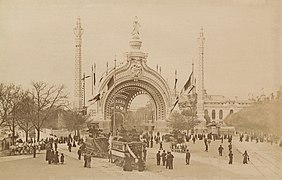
(78, 98)
(200, 79)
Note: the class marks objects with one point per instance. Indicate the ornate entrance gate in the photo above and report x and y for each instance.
(123, 83)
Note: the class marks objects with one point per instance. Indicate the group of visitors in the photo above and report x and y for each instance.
(53, 157)
(166, 158)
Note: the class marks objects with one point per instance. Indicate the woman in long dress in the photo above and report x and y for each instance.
(245, 158)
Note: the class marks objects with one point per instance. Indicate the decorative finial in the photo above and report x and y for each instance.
(135, 31)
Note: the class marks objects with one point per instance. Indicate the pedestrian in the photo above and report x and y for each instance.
(221, 139)
(62, 158)
(152, 141)
(161, 145)
(127, 163)
(48, 152)
(56, 146)
(145, 153)
(69, 145)
(193, 139)
(110, 156)
(51, 155)
(85, 160)
(245, 158)
(230, 155)
(170, 160)
(164, 157)
(230, 147)
(79, 153)
(56, 158)
(158, 158)
(88, 161)
(220, 149)
(206, 144)
(34, 151)
(141, 164)
(188, 155)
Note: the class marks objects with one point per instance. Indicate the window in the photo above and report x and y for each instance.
(213, 114)
(231, 111)
(220, 114)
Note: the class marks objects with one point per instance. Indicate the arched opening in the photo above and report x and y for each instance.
(220, 114)
(141, 113)
(124, 96)
(213, 114)
(231, 111)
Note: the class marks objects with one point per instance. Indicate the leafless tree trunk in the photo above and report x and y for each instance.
(45, 98)
(10, 96)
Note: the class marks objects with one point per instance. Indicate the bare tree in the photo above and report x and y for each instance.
(45, 97)
(9, 100)
(25, 114)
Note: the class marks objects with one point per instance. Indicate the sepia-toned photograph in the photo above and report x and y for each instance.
(140, 89)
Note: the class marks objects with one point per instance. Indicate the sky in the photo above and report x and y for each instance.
(242, 47)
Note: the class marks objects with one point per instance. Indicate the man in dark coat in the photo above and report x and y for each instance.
(69, 146)
(230, 155)
(164, 157)
(51, 156)
(56, 146)
(230, 147)
(158, 158)
(188, 155)
(48, 151)
(127, 163)
(79, 153)
(206, 144)
(220, 149)
(62, 158)
(193, 139)
(170, 160)
(161, 145)
(34, 151)
(85, 160)
(145, 154)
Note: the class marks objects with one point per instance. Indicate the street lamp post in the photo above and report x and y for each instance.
(83, 79)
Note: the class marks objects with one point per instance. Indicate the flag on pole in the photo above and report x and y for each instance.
(175, 103)
(107, 67)
(94, 75)
(188, 84)
(175, 82)
(96, 98)
(111, 82)
(92, 79)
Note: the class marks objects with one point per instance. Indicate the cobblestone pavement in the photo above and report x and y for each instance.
(265, 163)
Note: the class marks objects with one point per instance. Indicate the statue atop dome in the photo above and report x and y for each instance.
(135, 31)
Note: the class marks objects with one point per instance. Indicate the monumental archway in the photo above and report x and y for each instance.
(124, 82)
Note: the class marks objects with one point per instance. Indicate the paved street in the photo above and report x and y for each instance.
(204, 165)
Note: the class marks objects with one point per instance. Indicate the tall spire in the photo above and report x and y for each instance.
(78, 98)
(200, 79)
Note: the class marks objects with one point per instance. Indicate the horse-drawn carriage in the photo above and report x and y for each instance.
(119, 150)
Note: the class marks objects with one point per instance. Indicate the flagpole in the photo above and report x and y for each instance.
(114, 118)
(92, 79)
(175, 83)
